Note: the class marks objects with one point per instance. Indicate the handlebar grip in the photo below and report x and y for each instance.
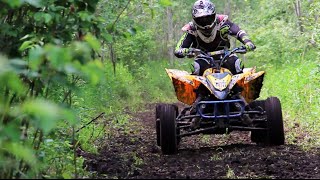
(241, 50)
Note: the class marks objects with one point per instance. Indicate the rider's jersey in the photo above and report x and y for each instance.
(192, 39)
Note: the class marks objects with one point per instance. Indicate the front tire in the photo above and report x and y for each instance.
(158, 109)
(275, 133)
(168, 129)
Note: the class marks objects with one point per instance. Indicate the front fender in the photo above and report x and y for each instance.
(251, 84)
(184, 85)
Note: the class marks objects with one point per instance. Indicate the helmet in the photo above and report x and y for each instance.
(204, 16)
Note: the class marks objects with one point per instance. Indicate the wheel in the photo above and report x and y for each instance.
(168, 129)
(158, 131)
(178, 130)
(275, 133)
(158, 123)
(258, 136)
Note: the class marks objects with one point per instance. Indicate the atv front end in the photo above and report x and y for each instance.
(263, 118)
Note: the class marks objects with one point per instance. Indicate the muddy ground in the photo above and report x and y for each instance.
(132, 153)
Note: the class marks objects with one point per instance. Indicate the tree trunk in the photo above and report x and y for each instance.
(297, 7)
(113, 57)
(227, 8)
(170, 31)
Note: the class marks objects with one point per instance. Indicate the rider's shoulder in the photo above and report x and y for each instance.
(189, 28)
(222, 18)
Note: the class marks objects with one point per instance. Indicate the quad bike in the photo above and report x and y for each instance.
(218, 102)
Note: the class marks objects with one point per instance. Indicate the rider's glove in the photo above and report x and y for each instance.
(250, 46)
(192, 52)
(184, 51)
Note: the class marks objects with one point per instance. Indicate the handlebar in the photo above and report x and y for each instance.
(196, 52)
(199, 54)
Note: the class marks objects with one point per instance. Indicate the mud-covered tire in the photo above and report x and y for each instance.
(178, 130)
(158, 132)
(275, 132)
(158, 106)
(168, 129)
(258, 136)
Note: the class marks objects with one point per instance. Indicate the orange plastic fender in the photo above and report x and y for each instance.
(184, 85)
(252, 84)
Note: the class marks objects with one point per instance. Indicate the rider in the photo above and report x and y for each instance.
(209, 32)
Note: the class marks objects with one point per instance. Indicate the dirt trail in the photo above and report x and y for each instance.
(133, 154)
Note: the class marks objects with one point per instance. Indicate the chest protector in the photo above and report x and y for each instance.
(192, 29)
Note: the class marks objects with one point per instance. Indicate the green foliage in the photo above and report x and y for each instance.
(52, 21)
(55, 44)
(9, 75)
(157, 85)
(43, 115)
(52, 81)
(137, 50)
(57, 157)
(39, 114)
(165, 2)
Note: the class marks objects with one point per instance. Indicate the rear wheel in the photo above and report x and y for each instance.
(274, 121)
(168, 128)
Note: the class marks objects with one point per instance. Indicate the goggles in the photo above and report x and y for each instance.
(206, 22)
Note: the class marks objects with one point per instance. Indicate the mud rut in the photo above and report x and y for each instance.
(132, 153)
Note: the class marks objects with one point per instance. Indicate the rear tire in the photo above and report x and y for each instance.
(168, 129)
(275, 133)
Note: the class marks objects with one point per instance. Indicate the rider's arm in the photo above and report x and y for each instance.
(241, 35)
(183, 45)
(238, 33)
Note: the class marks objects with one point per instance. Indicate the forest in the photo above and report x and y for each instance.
(72, 73)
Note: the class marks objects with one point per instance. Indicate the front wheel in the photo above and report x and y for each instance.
(275, 133)
(158, 109)
(168, 129)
